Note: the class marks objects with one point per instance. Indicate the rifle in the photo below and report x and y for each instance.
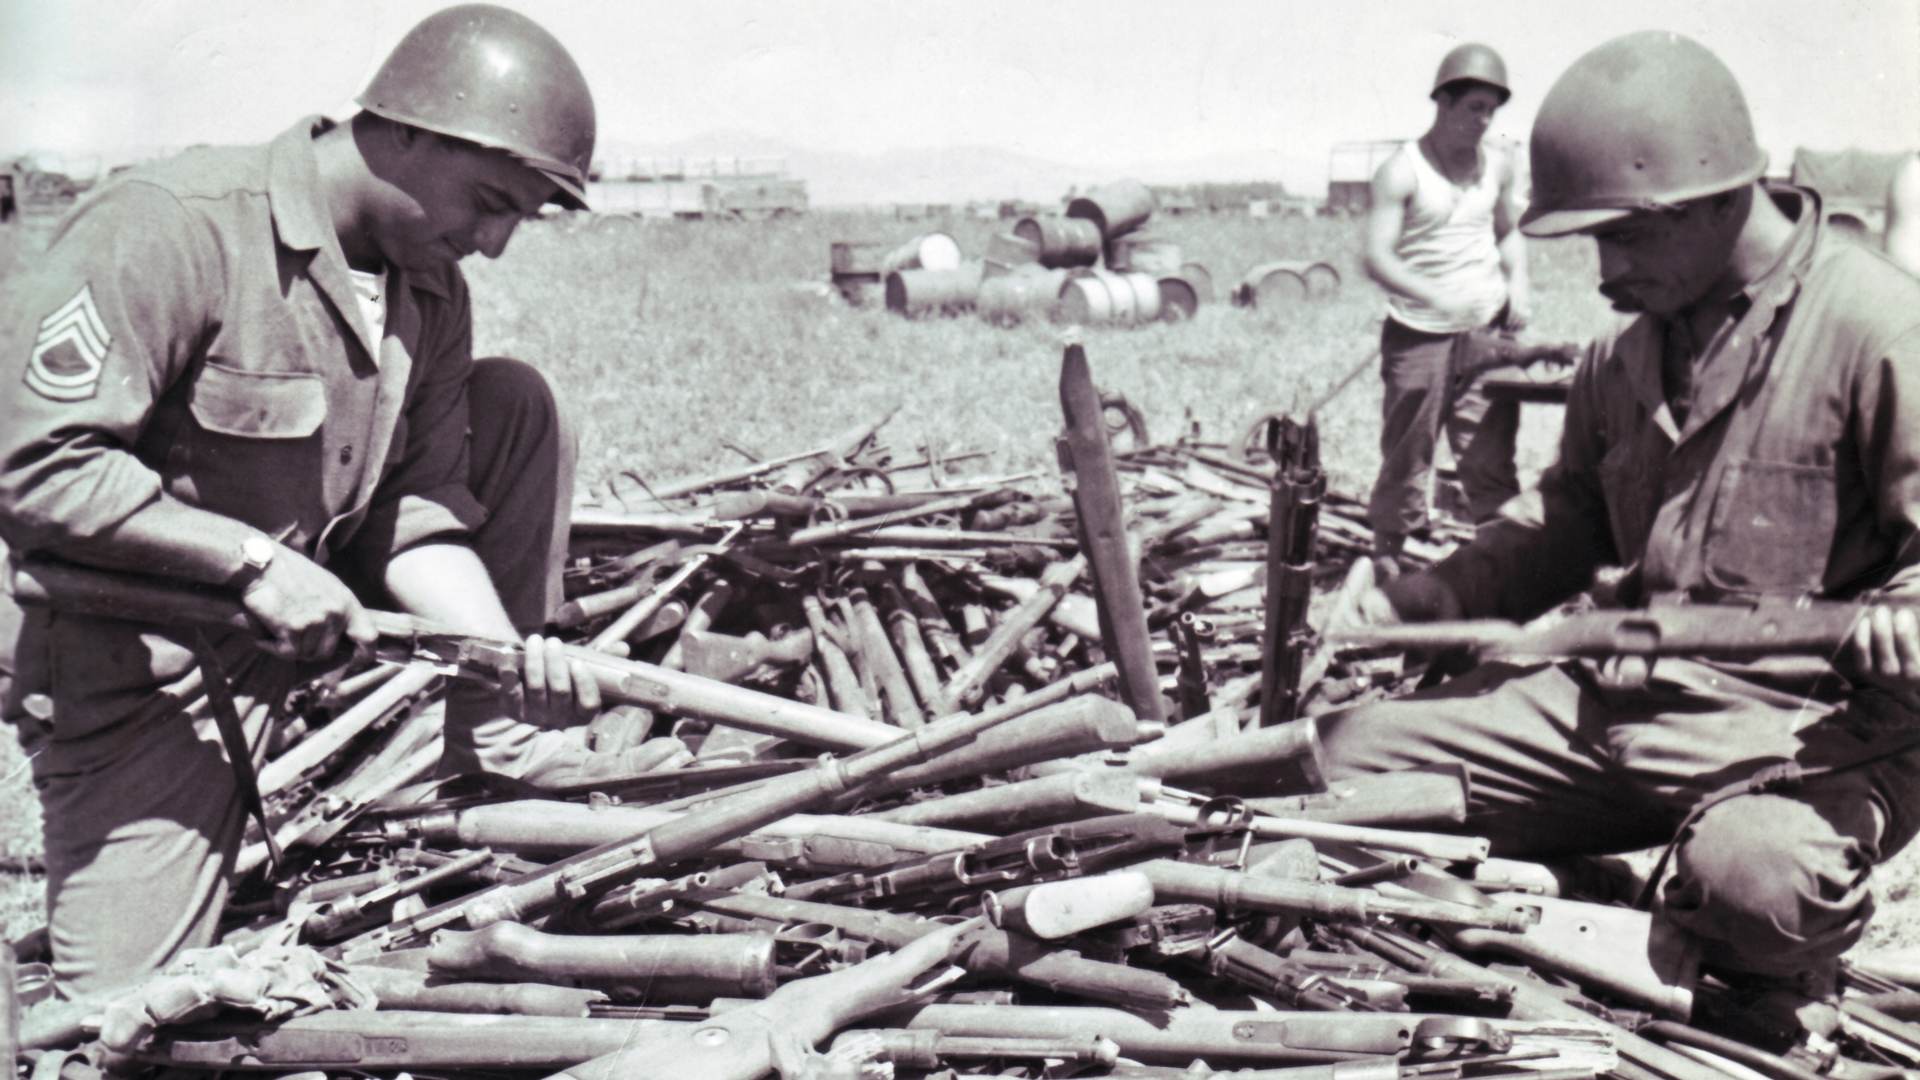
(1087, 457)
(698, 832)
(801, 468)
(1178, 882)
(954, 504)
(396, 1040)
(1192, 634)
(1067, 796)
(1178, 1037)
(972, 675)
(629, 623)
(729, 659)
(780, 1032)
(914, 655)
(547, 829)
(885, 664)
(1055, 909)
(1284, 758)
(1720, 631)
(115, 595)
(1061, 719)
(1640, 1058)
(1407, 799)
(1632, 955)
(655, 967)
(1292, 985)
(1049, 854)
(848, 695)
(416, 991)
(930, 1049)
(989, 951)
(349, 913)
(1293, 524)
(1477, 352)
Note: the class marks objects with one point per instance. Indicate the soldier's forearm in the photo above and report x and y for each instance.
(1513, 261)
(448, 584)
(168, 538)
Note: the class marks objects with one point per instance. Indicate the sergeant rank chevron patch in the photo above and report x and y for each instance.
(70, 351)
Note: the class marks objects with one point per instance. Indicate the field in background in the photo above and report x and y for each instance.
(667, 338)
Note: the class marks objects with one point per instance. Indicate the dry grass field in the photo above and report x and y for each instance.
(667, 338)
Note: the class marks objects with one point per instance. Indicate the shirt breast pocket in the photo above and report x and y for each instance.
(258, 404)
(1772, 527)
(254, 451)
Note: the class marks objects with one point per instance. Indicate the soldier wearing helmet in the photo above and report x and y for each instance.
(252, 368)
(1440, 239)
(1748, 436)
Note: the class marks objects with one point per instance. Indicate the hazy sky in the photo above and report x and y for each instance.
(1088, 81)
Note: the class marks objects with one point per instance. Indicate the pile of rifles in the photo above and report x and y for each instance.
(957, 781)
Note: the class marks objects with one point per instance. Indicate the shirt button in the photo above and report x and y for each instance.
(346, 455)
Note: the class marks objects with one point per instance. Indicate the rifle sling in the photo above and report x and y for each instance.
(1780, 776)
(227, 718)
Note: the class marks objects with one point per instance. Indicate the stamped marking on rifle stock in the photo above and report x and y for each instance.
(645, 689)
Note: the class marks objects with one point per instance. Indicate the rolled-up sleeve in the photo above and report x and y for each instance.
(425, 495)
(1887, 430)
(110, 316)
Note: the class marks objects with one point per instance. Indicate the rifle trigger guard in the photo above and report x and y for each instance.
(1636, 637)
(1455, 1033)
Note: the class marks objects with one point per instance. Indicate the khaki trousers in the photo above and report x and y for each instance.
(1420, 401)
(1775, 884)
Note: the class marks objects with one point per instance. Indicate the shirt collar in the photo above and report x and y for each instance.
(300, 215)
(1775, 285)
(302, 222)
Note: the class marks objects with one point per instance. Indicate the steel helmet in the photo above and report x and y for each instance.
(493, 77)
(1475, 63)
(1645, 121)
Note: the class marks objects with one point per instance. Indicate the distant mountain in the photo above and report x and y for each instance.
(950, 174)
(1303, 174)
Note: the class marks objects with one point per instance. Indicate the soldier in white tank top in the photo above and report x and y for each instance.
(1441, 241)
(1447, 236)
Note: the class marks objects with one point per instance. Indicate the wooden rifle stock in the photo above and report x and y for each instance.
(1724, 631)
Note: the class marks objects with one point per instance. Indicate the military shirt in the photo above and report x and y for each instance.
(1796, 472)
(192, 333)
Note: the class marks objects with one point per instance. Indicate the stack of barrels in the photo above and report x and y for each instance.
(1092, 265)
(1275, 284)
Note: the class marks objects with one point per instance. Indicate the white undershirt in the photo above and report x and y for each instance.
(371, 291)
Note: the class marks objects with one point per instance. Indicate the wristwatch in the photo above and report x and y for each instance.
(256, 554)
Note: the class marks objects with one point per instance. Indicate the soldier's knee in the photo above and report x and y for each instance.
(1372, 738)
(504, 386)
(1770, 873)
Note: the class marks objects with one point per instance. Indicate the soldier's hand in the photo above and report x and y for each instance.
(1360, 602)
(1886, 647)
(1519, 312)
(1410, 598)
(305, 609)
(556, 691)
